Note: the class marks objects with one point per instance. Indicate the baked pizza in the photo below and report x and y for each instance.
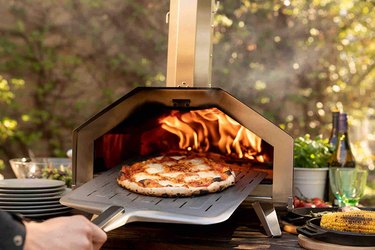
(176, 176)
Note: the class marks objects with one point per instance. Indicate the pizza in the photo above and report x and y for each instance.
(177, 176)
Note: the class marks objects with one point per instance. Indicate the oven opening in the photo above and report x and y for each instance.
(155, 129)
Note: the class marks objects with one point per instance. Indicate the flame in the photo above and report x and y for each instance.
(202, 130)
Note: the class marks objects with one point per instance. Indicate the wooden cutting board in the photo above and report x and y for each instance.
(312, 244)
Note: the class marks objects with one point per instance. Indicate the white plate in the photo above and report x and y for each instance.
(34, 199)
(47, 194)
(29, 198)
(27, 184)
(30, 191)
(28, 203)
(33, 211)
(38, 206)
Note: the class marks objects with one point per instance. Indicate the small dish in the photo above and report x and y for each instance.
(43, 168)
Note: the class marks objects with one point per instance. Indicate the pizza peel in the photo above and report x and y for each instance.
(117, 206)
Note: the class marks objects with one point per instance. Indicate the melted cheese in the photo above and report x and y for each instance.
(178, 157)
(192, 178)
(195, 161)
(169, 163)
(200, 167)
(210, 174)
(144, 176)
(171, 175)
(154, 168)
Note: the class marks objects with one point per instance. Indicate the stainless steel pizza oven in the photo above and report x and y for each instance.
(154, 121)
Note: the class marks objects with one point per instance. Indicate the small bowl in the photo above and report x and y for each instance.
(43, 168)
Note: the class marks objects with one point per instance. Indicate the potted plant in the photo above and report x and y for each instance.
(311, 156)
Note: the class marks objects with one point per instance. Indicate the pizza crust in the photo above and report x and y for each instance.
(176, 176)
(177, 191)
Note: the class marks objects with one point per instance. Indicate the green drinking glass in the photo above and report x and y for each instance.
(333, 185)
(348, 184)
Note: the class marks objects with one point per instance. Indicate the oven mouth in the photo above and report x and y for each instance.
(153, 129)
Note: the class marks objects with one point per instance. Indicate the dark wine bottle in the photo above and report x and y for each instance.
(328, 195)
(342, 156)
(335, 128)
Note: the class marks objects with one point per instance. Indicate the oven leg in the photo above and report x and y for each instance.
(268, 217)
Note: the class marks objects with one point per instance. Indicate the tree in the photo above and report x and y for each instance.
(310, 56)
(76, 57)
(292, 61)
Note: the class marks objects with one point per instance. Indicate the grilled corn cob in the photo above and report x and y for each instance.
(351, 221)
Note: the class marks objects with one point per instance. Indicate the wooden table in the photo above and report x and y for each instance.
(241, 231)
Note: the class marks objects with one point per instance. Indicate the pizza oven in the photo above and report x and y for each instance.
(149, 122)
(156, 121)
(190, 116)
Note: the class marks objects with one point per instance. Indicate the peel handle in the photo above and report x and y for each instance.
(109, 215)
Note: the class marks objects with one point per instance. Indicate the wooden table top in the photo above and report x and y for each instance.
(241, 231)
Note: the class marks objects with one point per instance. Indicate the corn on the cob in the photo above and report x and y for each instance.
(352, 221)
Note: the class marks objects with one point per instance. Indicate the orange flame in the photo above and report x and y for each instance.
(202, 129)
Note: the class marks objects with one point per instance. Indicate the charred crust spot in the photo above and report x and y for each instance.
(144, 182)
(228, 172)
(169, 185)
(202, 192)
(216, 179)
(121, 176)
(164, 195)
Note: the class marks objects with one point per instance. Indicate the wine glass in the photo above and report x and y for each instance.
(348, 184)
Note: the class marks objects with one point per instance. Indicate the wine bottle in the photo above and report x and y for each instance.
(342, 156)
(328, 195)
(335, 128)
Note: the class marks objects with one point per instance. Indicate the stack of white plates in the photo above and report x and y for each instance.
(33, 198)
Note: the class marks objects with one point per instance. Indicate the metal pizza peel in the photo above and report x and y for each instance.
(117, 206)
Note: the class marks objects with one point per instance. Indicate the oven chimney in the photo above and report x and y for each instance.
(190, 43)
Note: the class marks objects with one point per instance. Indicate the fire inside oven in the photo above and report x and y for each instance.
(154, 129)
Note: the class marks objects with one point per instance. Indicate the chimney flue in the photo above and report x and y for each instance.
(190, 43)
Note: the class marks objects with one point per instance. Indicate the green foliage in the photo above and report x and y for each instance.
(312, 57)
(76, 57)
(311, 153)
(8, 125)
(2, 165)
(292, 61)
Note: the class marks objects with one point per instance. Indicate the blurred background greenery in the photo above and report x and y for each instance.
(293, 61)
